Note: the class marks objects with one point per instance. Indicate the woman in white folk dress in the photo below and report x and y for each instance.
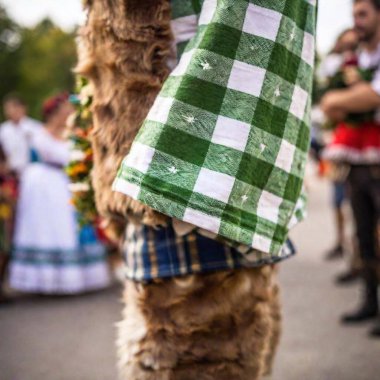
(50, 254)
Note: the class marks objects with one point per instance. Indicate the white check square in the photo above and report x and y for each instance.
(261, 243)
(246, 78)
(285, 156)
(183, 64)
(126, 188)
(214, 185)
(308, 49)
(299, 101)
(202, 220)
(231, 133)
(208, 11)
(269, 206)
(160, 110)
(262, 22)
(139, 157)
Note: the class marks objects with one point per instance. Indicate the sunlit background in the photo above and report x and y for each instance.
(334, 16)
(39, 48)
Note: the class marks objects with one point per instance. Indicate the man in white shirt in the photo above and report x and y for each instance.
(16, 133)
(360, 148)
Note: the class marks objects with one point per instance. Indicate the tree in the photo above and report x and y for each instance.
(47, 56)
(10, 39)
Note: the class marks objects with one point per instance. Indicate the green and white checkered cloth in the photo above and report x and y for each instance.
(225, 144)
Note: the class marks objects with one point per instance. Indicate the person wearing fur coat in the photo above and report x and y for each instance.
(201, 112)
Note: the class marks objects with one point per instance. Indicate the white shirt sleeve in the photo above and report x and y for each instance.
(50, 150)
(375, 84)
(2, 133)
(31, 126)
(368, 60)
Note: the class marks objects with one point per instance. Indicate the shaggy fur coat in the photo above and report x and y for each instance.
(223, 325)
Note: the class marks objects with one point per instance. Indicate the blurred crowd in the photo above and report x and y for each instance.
(346, 143)
(42, 246)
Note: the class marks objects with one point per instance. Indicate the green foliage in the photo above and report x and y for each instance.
(35, 62)
(9, 54)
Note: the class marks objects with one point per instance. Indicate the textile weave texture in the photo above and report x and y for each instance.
(224, 146)
(157, 253)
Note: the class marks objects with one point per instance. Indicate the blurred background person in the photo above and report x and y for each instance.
(331, 72)
(357, 142)
(51, 255)
(17, 133)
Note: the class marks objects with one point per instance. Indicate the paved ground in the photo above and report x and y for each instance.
(72, 338)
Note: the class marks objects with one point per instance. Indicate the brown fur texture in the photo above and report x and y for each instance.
(217, 326)
(123, 51)
(275, 333)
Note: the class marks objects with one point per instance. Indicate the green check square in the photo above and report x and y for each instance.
(306, 118)
(215, 207)
(269, 118)
(150, 133)
(170, 87)
(277, 182)
(280, 234)
(129, 174)
(238, 232)
(221, 39)
(223, 159)
(265, 228)
(277, 91)
(173, 141)
(224, 15)
(244, 197)
(305, 76)
(263, 145)
(303, 140)
(199, 93)
(192, 120)
(164, 196)
(254, 50)
(254, 171)
(287, 209)
(240, 217)
(298, 165)
(211, 67)
(173, 170)
(292, 128)
(276, 5)
(245, 111)
(290, 36)
(284, 63)
(297, 11)
(293, 188)
(310, 25)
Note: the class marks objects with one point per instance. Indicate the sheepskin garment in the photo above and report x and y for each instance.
(225, 144)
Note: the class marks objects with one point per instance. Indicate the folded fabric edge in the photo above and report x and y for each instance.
(260, 243)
